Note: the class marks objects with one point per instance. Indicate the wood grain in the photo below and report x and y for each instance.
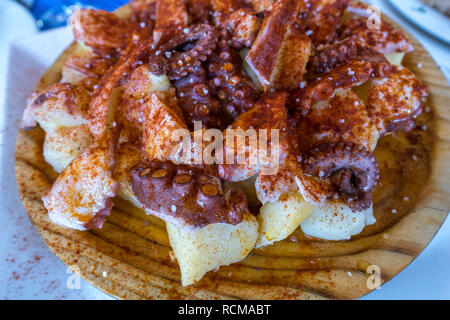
(134, 251)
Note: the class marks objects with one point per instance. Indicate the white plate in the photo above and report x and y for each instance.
(425, 17)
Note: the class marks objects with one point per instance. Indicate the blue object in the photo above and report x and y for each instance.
(54, 13)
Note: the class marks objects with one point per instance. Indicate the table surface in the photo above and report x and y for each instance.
(29, 270)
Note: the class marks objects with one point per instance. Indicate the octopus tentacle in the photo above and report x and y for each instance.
(339, 53)
(326, 57)
(197, 99)
(186, 196)
(384, 39)
(186, 51)
(352, 169)
(234, 88)
(342, 65)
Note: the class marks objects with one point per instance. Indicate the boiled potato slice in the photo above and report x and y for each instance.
(362, 91)
(336, 221)
(142, 83)
(202, 250)
(128, 156)
(279, 219)
(395, 58)
(64, 144)
(70, 74)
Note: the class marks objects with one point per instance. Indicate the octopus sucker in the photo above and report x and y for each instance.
(329, 56)
(186, 196)
(188, 49)
(234, 87)
(352, 169)
(342, 65)
(197, 99)
(344, 52)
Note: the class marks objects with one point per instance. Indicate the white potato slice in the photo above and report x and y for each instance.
(142, 83)
(64, 144)
(80, 197)
(69, 74)
(64, 106)
(128, 155)
(336, 221)
(277, 220)
(248, 186)
(395, 58)
(202, 250)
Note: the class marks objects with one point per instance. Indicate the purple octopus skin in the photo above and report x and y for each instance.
(186, 196)
(352, 169)
(234, 88)
(187, 50)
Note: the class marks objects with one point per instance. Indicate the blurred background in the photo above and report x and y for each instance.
(54, 13)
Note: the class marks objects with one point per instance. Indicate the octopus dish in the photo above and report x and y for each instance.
(312, 71)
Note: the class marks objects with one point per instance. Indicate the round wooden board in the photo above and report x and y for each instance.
(134, 251)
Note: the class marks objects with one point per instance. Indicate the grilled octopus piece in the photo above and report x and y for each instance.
(234, 88)
(342, 65)
(385, 39)
(198, 100)
(186, 196)
(187, 50)
(351, 168)
(320, 19)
